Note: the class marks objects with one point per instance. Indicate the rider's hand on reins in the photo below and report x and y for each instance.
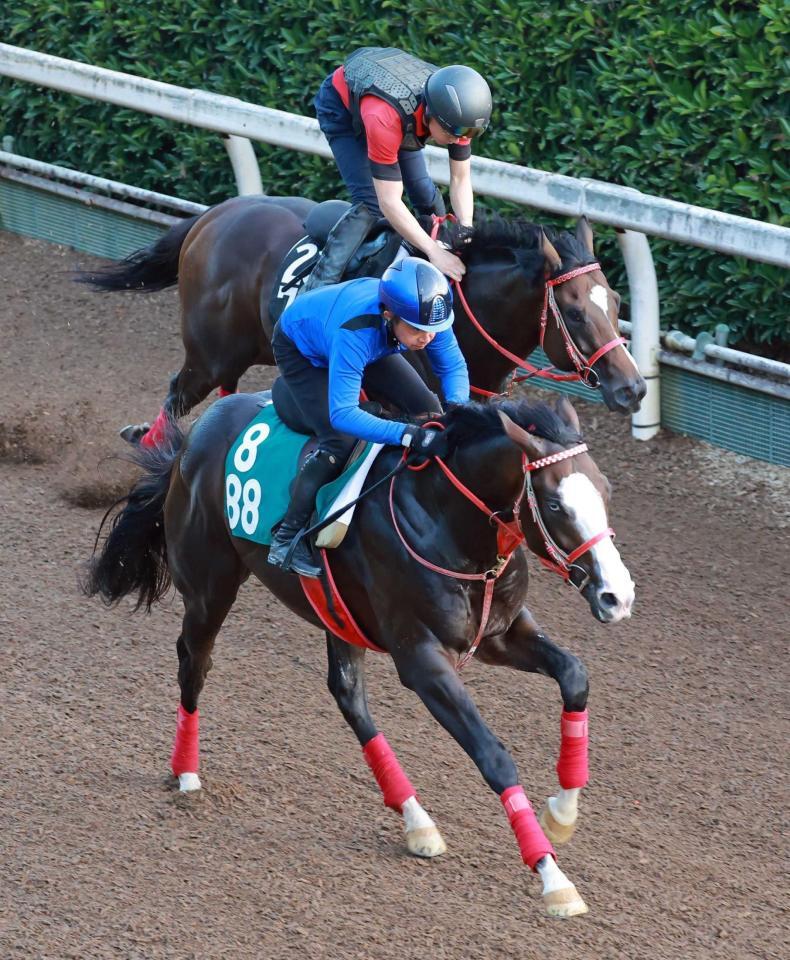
(424, 442)
(446, 261)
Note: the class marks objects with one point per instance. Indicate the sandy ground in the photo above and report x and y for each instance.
(681, 850)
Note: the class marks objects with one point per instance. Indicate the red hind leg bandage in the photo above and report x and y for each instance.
(156, 433)
(531, 839)
(389, 776)
(222, 392)
(184, 758)
(572, 767)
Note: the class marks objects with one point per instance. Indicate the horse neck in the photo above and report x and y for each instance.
(507, 304)
(446, 523)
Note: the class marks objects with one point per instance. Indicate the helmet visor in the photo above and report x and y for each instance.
(459, 131)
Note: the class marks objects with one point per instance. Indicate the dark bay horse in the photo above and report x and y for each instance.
(225, 262)
(433, 569)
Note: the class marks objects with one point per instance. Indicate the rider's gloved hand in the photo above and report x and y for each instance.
(424, 442)
(462, 235)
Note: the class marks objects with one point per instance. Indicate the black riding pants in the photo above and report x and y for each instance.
(301, 393)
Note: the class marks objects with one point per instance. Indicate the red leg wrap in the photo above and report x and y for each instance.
(222, 392)
(393, 782)
(531, 839)
(154, 436)
(572, 768)
(184, 758)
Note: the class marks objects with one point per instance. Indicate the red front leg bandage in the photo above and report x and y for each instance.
(184, 758)
(393, 782)
(154, 436)
(531, 839)
(572, 767)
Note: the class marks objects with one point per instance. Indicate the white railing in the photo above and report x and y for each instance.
(632, 212)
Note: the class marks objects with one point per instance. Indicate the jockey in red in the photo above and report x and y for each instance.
(377, 111)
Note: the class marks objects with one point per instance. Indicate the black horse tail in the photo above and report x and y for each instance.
(133, 558)
(146, 270)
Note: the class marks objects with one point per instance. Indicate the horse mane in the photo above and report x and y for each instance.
(523, 236)
(476, 422)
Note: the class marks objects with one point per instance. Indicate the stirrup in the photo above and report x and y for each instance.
(291, 562)
(303, 565)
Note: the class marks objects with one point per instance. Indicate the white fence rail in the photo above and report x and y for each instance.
(632, 212)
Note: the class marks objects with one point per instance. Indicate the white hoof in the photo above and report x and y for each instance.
(187, 782)
(556, 832)
(134, 432)
(564, 903)
(425, 842)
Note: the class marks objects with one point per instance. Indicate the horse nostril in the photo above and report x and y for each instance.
(607, 600)
(628, 397)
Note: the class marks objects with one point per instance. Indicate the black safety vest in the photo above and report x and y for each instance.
(394, 76)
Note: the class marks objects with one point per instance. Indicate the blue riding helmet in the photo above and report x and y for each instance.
(418, 293)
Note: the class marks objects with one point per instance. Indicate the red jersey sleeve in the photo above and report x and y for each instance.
(384, 134)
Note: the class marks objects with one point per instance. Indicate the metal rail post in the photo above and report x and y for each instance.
(245, 164)
(645, 337)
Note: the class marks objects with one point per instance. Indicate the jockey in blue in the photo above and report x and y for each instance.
(333, 342)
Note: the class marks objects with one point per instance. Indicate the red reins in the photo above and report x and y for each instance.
(583, 365)
(509, 535)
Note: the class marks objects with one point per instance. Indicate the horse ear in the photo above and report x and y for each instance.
(567, 412)
(584, 234)
(534, 447)
(552, 260)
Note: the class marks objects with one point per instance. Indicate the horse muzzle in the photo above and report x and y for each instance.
(626, 398)
(609, 604)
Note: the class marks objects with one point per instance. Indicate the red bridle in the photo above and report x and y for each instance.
(583, 365)
(510, 535)
(560, 562)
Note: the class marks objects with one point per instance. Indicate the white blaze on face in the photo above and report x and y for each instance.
(585, 506)
(600, 298)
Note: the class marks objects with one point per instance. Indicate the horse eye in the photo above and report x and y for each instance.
(574, 315)
(554, 505)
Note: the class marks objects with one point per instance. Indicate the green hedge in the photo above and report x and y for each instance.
(679, 98)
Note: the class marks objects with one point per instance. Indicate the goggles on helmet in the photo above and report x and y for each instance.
(457, 131)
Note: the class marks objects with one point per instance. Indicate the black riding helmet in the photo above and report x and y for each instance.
(459, 99)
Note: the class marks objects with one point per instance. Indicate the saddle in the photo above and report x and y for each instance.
(260, 467)
(371, 260)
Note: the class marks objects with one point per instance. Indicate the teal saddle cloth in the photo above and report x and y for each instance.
(259, 469)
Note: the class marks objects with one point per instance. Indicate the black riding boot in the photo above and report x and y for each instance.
(319, 468)
(342, 243)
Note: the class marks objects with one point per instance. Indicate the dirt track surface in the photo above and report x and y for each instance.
(289, 852)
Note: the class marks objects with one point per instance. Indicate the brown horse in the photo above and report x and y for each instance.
(433, 570)
(226, 260)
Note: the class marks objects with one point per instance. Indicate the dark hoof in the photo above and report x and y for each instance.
(134, 432)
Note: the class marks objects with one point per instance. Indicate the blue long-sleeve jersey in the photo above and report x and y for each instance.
(341, 327)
